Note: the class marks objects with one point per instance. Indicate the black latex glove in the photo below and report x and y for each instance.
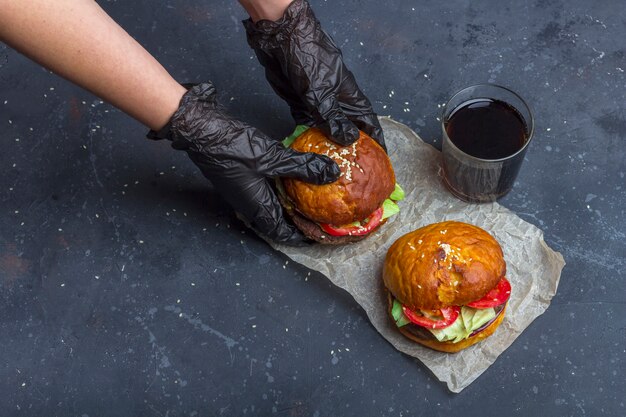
(305, 68)
(239, 159)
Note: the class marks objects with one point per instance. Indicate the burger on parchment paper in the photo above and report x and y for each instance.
(354, 206)
(446, 285)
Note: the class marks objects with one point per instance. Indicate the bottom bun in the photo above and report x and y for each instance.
(452, 347)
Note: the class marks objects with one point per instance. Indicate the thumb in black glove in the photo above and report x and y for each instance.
(239, 160)
(305, 67)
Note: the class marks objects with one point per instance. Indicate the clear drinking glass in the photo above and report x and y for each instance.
(486, 132)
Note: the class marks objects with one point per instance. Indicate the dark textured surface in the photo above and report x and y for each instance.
(128, 288)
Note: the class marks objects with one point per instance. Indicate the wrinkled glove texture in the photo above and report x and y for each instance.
(306, 69)
(239, 160)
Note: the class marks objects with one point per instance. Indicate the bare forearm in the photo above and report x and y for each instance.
(79, 41)
(265, 9)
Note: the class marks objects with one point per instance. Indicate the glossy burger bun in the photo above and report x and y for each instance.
(443, 264)
(366, 180)
(452, 347)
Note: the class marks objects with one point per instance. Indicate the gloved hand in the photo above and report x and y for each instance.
(305, 68)
(239, 159)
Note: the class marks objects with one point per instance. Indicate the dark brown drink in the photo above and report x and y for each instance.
(486, 132)
(487, 129)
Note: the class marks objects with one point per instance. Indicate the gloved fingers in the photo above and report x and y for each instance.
(259, 205)
(250, 195)
(336, 124)
(310, 167)
(369, 124)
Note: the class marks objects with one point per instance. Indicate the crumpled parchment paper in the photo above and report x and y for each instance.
(532, 267)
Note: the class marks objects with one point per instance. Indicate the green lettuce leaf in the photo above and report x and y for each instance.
(297, 132)
(389, 208)
(470, 319)
(398, 314)
(455, 332)
(397, 194)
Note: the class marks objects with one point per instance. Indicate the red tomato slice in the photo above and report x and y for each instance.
(439, 319)
(497, 296)
(372, 222)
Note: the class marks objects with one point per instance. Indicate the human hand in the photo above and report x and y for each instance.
(306, 68)
(239, 160)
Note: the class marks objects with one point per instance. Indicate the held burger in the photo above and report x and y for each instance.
(355, 205)
(446, 285)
